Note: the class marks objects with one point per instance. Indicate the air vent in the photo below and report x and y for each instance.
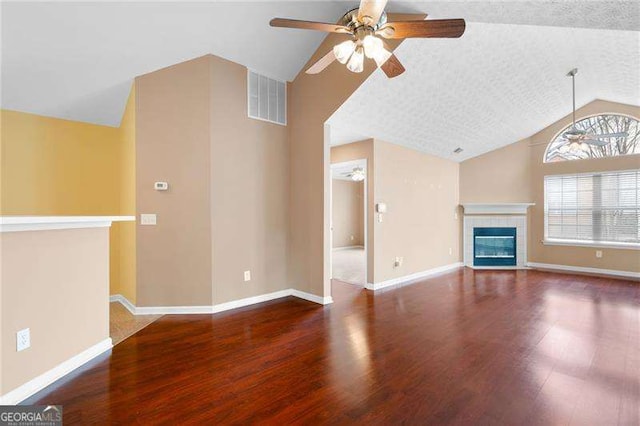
(267, 99)
(457, 150)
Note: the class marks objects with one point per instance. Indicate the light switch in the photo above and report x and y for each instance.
(147, 219)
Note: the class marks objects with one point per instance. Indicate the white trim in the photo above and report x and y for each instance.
(596, 244)
(360, 162)
(311, 297)
(37, 384)
(496, 208)
(124, 302)
(617, 273)
(168, 310)
(41, 223)
(414, 277)
(221, 307)
(346, 248)
(234, 304)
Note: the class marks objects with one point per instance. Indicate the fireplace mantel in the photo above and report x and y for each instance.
(496, 208)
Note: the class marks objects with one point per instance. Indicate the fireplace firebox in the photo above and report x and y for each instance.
(494, 246)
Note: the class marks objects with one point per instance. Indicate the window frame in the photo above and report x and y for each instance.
(567, 127)
(582, 243)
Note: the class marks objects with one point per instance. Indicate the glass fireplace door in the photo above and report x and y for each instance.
(494, 246)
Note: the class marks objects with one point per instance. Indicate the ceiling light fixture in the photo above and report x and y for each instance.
(357, 174)
(356, 63)
(367, 26)
(344, 50)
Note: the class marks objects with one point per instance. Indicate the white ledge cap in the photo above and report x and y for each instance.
(40, 223)
(496, 208)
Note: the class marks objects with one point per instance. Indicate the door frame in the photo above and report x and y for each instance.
(362, 162)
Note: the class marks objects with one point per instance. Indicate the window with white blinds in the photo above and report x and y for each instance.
(601, 207)
(267, 98)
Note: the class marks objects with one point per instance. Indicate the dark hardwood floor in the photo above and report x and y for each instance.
(481, 347)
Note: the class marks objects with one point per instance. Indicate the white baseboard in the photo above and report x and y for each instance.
(221, 307)
(124, 302)
(165, 310)
(347, 248)
(37, 384)
(413, 277)
(311, 297)
(569, 268)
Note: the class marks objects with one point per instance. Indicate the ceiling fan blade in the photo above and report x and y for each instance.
(370, 11)
(322, 63)
(595, 142)
(392, 67)
(309, 25)
(434, 28)
(609, 135)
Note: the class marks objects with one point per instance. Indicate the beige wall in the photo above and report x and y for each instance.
(362, 150)
(226, 211)
(503, 174)
(421, 193)
(60, 167)
(347, 213)
(64, 299)
(173, 145)
(480, 184)
(312, 100)
(249, 191)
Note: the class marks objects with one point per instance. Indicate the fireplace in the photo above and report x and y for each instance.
(497, 233)
(494, 246)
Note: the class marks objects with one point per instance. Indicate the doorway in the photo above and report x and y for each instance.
(348, 207)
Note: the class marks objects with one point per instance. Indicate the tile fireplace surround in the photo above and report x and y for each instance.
(512, 215)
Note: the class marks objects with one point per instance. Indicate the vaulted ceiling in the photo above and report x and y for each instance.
(494, 86)
(502, 81)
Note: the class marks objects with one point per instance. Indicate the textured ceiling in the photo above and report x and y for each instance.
(77, 60)
(496, 85)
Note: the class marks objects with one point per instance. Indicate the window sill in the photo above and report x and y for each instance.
(577, 243)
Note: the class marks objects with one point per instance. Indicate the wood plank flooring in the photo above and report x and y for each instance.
(467, 347)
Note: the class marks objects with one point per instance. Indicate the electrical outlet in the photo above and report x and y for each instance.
(247, 275)
(23, 339)
(599, 254)
(351, 237)
(398, 262)
(450, 251)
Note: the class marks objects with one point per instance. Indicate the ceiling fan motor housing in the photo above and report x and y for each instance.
(350, 19)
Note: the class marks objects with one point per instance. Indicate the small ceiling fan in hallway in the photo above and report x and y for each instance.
(579, 139)
(368, 27)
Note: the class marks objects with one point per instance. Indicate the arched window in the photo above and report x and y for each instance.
(584, 141)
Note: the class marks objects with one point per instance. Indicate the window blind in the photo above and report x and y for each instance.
(601, 207)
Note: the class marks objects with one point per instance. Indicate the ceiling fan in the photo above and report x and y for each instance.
(357, 174)
(580, 139)
(368, 26)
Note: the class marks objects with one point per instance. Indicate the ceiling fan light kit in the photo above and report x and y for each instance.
(368, 26)
(578, 139)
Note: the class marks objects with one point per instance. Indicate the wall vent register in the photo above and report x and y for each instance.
(267, 98)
